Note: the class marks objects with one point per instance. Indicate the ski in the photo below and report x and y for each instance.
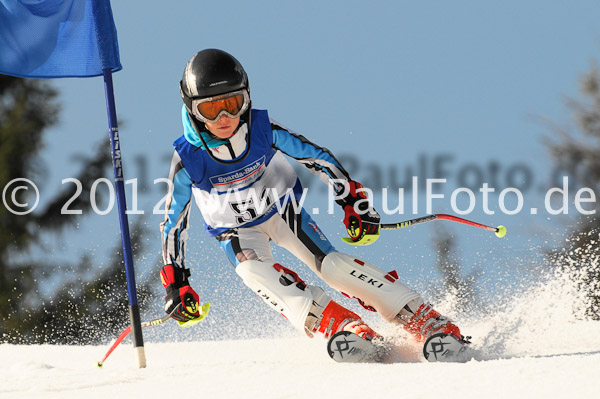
(347, 347)
(447, 348)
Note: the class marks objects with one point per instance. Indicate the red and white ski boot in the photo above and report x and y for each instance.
(426, 321)
(329, 317)
(443, 341)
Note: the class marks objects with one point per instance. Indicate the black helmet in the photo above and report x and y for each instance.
(209, 73)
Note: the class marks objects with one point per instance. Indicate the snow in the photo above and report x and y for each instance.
(282, 368)
(534, 345)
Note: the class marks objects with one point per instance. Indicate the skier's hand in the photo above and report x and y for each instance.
(360, 219)
(181, 301)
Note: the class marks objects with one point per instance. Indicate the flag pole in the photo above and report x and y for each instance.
(134, 311)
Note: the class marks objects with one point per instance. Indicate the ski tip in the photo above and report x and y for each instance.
(339, 345)
(347, 347)
(446, 348)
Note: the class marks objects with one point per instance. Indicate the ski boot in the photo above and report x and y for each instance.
(442, 339)
(328, 318)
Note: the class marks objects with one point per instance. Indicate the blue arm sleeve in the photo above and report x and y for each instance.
(317, 160)
(178, 205)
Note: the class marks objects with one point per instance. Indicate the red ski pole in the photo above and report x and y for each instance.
(500, 231)
(204, 309)
(127, 331)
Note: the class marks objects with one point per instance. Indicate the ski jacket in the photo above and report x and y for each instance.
(241, 194)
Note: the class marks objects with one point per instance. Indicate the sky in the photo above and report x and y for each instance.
(387, 86)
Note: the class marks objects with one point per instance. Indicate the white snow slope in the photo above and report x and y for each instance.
(532, 347)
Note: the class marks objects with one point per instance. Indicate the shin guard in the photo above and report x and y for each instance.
(279, 287)
(366, 282)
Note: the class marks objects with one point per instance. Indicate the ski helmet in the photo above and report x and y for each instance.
(210, 73)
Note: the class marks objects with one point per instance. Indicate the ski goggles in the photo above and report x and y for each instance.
(231, 104)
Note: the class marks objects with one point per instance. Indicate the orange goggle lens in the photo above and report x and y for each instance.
(211, 109)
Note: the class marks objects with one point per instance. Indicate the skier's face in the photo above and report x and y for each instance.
(224, 127)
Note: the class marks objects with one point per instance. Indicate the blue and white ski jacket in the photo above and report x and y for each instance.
(241, 194)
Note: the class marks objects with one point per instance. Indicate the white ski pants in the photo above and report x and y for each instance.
(249, 250)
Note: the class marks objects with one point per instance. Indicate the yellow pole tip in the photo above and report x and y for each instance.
(501, 232)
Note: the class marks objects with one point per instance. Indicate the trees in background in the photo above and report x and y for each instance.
(577, 149)
(81, 307)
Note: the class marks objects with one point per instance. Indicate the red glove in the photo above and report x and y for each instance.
(361, 220)
(181, 301)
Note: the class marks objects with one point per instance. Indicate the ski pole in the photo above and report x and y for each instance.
(204, 309)
(500, 231)
(126, 332)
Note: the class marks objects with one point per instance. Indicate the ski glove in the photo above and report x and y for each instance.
(181, 301)
(361, 220)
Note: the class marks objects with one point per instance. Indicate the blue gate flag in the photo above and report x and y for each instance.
(57, 38)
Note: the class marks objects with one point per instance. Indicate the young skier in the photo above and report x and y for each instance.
(231, 158)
